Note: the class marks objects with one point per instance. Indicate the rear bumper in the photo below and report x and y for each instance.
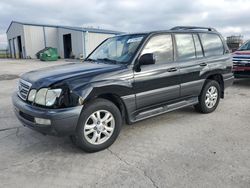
(63, 121)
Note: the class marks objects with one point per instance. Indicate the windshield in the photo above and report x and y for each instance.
(245, 46)
(119, 49)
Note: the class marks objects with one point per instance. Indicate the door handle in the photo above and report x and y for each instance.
(203, 64)
(172, 69)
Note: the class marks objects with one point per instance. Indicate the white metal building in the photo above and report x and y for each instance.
(26, 39)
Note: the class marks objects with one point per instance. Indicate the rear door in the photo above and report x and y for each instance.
(160, 82)
(190, 57)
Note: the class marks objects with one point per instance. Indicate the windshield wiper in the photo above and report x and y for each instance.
(89, 59)
(108, 60)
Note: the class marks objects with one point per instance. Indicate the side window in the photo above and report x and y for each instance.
(185, 46)
(212, 44)
(162, 48)
(197, 46)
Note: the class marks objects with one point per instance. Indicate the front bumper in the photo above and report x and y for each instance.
(63, 121)
(241, 71)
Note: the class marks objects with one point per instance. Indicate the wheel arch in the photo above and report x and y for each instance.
(219, 78)
(121, 94)
(116, 100)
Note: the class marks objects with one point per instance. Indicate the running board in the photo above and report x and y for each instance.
(166, 108)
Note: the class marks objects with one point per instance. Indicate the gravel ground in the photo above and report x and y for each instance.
(178, 149)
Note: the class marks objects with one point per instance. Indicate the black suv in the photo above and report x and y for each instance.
(127, 78)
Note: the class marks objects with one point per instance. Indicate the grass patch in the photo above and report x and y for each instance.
(4, 55)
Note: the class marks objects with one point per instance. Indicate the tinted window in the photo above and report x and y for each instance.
(162, 48)
(197, 46)
(185, 46)
(212, 44)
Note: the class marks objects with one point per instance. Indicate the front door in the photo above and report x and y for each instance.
(160, 82)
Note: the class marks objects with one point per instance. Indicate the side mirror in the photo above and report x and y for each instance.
(147, 59)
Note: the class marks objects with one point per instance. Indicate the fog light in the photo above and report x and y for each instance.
(42, 121)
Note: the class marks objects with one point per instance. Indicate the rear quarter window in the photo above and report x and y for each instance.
(212, 44)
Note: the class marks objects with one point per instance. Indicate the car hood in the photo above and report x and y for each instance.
(47, 76)
(239, 53)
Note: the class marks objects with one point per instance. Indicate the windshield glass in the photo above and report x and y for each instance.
(245, 46)
(119, 49)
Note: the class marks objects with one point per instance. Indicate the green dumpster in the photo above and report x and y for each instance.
(50, 54)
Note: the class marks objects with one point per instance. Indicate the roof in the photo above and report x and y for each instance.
(193, 28)
(92, 30)
(170, 32)
(178, 29)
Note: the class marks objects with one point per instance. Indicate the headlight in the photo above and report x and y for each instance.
(51, 96)
(40, 96)
(45, 96)
(32, 95)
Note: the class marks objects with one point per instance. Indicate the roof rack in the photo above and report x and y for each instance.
(192, 28)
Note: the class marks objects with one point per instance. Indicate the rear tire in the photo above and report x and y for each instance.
(98, 126)
(209, 97)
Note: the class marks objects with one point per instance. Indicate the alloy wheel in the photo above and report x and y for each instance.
(211, 97)
(99, 127)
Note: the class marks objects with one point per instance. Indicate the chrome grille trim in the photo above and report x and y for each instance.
(23, 89)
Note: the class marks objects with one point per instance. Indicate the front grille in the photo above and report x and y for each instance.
(241, 64)
(27, 116)
(241, 59)
(23, 89)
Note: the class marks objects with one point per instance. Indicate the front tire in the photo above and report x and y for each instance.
(209, 97)
(98, 126)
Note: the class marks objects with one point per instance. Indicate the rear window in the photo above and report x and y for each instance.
(212, 44)
(185, 46)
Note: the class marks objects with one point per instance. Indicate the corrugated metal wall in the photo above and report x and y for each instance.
(76, 41)
(34, 40)
(38, 37)
(51, 34)
(94, 39)
(14, 31)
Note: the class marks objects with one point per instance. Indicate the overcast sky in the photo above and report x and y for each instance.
(227, 16)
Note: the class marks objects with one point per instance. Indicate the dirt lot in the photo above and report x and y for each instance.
(178, 149)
